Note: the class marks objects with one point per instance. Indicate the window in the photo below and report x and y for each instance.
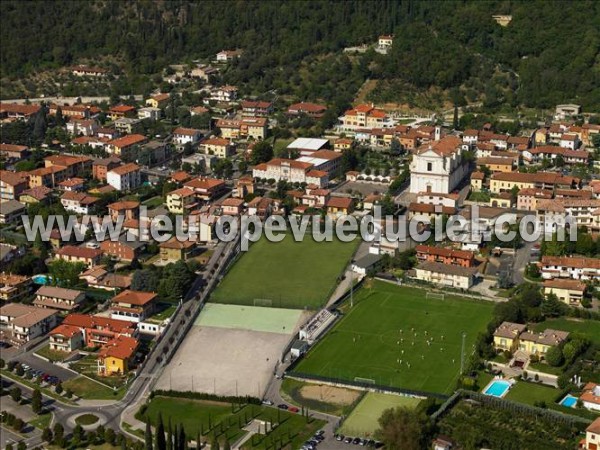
(429, 167)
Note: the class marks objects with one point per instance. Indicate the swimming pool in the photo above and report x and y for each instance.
(41, 279)
(497, 388)
(570, 401)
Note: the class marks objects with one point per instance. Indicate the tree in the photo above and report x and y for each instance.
(148, 436)
(402, 429)
(47, 435)
(58, 389)
(554, 356)
(109, 436)
(16, 394)
(181, 439)
(58, 432)
(36, 401)
(395, 147)
(161, 443)
(261, 152)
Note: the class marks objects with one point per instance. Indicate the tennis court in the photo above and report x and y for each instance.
(363, 420)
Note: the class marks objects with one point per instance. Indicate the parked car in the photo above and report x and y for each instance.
(293, 409)
(267, 402)
(282, 406)
(348, 440)
(339, 437)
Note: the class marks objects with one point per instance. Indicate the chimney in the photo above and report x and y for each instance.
(438, 133)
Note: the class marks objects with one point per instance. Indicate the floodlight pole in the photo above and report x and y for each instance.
(462, 354)
(351, 288)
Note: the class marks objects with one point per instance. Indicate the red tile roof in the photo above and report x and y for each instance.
(137, 298)
(79, 252)
(128, 140)
(126, 168)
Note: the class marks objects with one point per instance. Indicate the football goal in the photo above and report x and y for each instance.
(436, 295)
(364, 380)
(264, 302)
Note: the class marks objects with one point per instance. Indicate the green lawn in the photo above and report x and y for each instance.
(383, 338)
(203, 416)
(42, 421)
(153, 202)
(290, 274)
(91, 390)
(543, 367)
(588, 328)
(52, 355)
(363, 421)
(529, 393)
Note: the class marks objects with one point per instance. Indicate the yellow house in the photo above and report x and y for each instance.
(506, 336)
(570, 292)
(539, 343)
(175, 250)
(115, 357)
(541, 136)
(497, 163)
(181, 200)
(477, 181)
(158, 101)
(503, 182)
(502, 200)
(219, 147)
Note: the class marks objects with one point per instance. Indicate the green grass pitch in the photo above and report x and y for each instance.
(290, 274)
(385, 336)
(363, 421)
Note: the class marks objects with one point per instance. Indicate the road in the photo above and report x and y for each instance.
(69, 100)
(111, 414)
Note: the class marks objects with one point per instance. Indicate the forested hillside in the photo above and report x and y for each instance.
(548, 54)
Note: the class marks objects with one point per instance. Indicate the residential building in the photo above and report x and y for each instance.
(222, 148)
(89, 256)
(129, 125)
(72, 184)
(528, 198)
(570, 292)
(40, 194)
(13, 152)
(101, 167)
(58, 298)
(539, 343)
(125, 178)
(498, 164)
(98, 330)
(11, 211)
(506, 336)
(176, 250)
(324, 160)
(47, 176)
(228, 55)
(446, 275)
(21, 323)
(573, 267)
(72, 165)
(204, 72)
(126, 147)
(119, 111)
(342, 144)
(445, 255)
(339, 206)
(88, 71)
(181, 201)
(127, 248)
(251, 108)
(224, 94)
(133, 306)
(592, 432)
(428, 212)
(182, 136)
(66, 338)
(553, 214)
(116, 356)
(439, 167)
(128, 209)
(364, 116)
(385, 42)
(505, 182)
(17, 111)
(78, 202)
(149, 113)
(537, 155)
(291, 171)
(13, 288)
(12, 184)
(207, 188)
(158, 101)
(82, 127)
(590, 397)
(310, 109)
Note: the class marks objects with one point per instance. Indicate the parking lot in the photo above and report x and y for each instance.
(38, 364)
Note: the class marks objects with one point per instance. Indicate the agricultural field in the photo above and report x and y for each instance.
(286, 274)
(209, 418)
(396, 336)
(364, 420)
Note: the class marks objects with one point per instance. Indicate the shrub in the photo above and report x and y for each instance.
(554, 356)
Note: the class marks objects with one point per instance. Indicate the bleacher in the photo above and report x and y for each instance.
(316, 326)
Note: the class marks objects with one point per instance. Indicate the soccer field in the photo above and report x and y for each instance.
(287, 274)
(363, 421)
(397, 337)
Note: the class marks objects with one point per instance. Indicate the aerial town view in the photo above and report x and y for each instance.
(299, 225)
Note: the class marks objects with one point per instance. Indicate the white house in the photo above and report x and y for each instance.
(590, 397)
(182, 136)
(21, 323)
(224, 94)
(83, 127)
(569, 140)
(125, 177)
(446, 275)
(149, 112)
(439, 167)
(570, 267)
(228, 55)
(78, 202)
